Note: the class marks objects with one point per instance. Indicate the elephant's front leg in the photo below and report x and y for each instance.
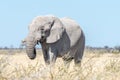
(46, 57)
(52, 55)
(45, 53)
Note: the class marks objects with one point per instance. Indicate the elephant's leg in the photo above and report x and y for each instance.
(46, 57)
(78, 57)
(52, 56)
(79, 52)
(67, 61)
(45, 53)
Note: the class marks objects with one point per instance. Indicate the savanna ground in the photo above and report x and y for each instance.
(15, 65)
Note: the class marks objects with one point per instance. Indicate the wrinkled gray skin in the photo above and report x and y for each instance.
(58, 38)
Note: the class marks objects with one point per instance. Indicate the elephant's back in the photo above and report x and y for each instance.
(73, 30)
(68, 22)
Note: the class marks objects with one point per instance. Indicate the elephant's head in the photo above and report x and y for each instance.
(43, 29)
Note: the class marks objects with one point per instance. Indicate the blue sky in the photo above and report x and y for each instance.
(99, 19)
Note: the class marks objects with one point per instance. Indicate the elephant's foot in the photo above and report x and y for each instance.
(77, 63)
(67, 61)
(47, 62)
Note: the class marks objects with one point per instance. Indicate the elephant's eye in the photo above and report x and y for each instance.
(39, 29)
(42, 29)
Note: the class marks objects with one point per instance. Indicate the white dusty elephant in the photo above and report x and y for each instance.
(58, 38)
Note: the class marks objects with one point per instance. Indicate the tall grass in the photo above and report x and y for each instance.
(93, 67)
(3, 65)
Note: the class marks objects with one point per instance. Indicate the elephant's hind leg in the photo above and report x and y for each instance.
(79, 52)
(78, 56)
(67, 61)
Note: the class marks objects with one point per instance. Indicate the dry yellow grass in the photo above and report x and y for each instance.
(94, 66)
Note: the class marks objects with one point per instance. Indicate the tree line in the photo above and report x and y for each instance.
(90, 48)
(105, 49)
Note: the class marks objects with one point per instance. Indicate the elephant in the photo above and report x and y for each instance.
(59, 37)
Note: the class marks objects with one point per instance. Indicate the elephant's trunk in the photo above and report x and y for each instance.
(31, 51)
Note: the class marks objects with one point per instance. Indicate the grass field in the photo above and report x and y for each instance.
(15, 65)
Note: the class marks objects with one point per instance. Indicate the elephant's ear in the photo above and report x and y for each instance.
(56, 31)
